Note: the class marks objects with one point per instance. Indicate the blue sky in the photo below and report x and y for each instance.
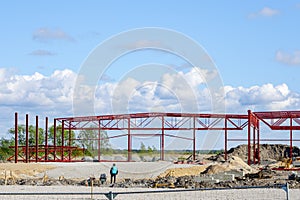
(255, 46)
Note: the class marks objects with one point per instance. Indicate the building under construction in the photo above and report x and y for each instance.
(161, 125)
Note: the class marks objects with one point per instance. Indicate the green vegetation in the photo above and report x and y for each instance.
(87, 139)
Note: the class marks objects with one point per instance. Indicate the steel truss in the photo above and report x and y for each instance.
(155, 124)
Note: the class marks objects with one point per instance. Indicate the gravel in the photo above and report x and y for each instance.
(93, 193)
(132, 170)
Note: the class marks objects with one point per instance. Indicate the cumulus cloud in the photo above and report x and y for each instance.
(265, 12)
(45, 35)
(179, 92)
(288, 58)
(37, 90)
(41, 52)
(260, 98)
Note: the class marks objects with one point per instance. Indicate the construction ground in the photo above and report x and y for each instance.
(208, 171)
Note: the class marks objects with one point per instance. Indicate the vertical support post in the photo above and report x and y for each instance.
(258, 142)
(254, 144)
(54, 138)
(16, 137)
(225, 148)
(194, 138)
(99, 141)
(36, 138)
(70, 141)
(162, 138)
(27, 139)
(249, 137)
(291, 137)
(129, 142)
(46, 139)
(62, 139)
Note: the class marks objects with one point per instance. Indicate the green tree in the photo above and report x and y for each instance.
(5, 151)
(143, 148)
(31, 135)
(59, 136)
(89, 139)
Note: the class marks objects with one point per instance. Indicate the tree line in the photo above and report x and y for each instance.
(87, 139)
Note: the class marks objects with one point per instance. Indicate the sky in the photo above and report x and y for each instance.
(254, 47)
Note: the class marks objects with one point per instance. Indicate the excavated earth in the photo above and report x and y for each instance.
(163, 174)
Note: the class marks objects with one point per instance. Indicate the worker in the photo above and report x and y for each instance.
(113, 173)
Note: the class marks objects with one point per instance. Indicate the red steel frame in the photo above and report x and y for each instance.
(166, 122)
(160, 125)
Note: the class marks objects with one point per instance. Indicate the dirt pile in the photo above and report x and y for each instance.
(234, 163)
(177, 172)
(268, 152)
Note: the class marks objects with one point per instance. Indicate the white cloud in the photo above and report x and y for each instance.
(41, 52)
(260, 98)
(265, 12)
(288, 58)
(45, 34)
(182, 92)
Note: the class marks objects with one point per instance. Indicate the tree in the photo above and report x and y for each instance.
(31, 135)
(59, 136)
(89, 140)
(143, 148)
(5, 151)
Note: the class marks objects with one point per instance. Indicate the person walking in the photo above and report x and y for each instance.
(113, 173)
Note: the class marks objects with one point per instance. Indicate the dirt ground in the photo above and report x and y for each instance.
(23, 170)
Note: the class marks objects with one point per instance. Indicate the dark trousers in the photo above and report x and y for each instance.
(113, 176)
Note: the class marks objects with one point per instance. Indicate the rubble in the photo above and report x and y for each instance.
(217, 173)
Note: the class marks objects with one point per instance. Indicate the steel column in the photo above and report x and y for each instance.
(254, 144)
(226, 139)
(62, 139)
(69, 143)
(27, 139)
(249, 137)
(291, 137)
(163, 138)
(129, 142)
(54, 138)
(36, 138)
(46, 139)
(258, 143)
(99, 141)
(16, 137)
(194, 138)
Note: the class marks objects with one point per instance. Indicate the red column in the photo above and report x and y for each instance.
(16, 137)
(163, 138)
(194, 138)
(129, 142)
(36, 138)
(62, 139)
(54, 138)
(46, 139)
(99, 141)
(225, 148)
(249, 137)
(254, 144)
(258, 143)
(291, 137)
(26, 140)
(70, 141)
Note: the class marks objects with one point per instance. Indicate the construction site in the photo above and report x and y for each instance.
(254, 162)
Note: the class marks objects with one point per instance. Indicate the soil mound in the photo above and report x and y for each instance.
(267, 152)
